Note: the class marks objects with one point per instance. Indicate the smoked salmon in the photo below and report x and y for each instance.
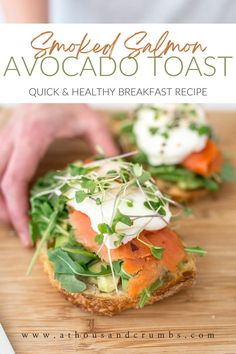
(137, 257)
(147, 276)
(206, 162)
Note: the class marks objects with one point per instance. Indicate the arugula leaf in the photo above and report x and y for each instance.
(43, 240)
(211, 185)
(143, 298)
(63, 264)
(140, 157)
(79, 254)
(43, 206)
(198, 250)
(185, 179)
(71, 283)
(80, 251)
(170, 169)
(127, 128)
(146, 293)
(117, 266)
(227, 172)
(187, 211)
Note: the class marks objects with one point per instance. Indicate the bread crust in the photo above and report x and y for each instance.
(111, 304)
(180, 195)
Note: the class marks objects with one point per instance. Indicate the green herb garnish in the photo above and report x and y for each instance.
(153, 130)
(146, 293)
(165, 135)
(80, 196)
(119, 217)
(130, 203)
(198, 250)
(138, 170)
(64, 264)
(157, 206)
(227, 172)
(201, 129)
(156, 251)
(99, 239)
(187, 211)
(105, 229)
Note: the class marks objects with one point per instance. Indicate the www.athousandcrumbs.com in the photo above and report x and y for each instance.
(77, 338)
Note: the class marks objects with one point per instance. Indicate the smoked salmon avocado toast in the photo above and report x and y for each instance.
(177, 146)
(102, 231)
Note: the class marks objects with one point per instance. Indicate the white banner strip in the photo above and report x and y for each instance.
(118, 63)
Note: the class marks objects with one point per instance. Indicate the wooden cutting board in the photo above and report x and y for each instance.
(186, 322)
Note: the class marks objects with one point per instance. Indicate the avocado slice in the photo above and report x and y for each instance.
(61, 241)
(105, 283)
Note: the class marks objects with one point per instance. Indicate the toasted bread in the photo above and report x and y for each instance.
(179, 194)
(109, 304)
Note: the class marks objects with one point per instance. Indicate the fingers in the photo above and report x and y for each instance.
(4, 217)
(81, 120)
(16, 200)
(98, 134)
(28, 139)
(5, 152)
(24, 160)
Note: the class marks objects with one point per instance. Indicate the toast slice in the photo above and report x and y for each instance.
(110, 304)
(144, 269)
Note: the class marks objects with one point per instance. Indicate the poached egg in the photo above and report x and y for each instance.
(169, 133)
(132, 202)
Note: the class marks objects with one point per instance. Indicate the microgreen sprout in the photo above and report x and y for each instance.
(156, 251)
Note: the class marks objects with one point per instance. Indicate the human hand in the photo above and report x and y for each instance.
(24, 141)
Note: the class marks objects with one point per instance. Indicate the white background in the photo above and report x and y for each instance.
(219, 39)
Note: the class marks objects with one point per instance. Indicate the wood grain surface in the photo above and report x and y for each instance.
(183, 323)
